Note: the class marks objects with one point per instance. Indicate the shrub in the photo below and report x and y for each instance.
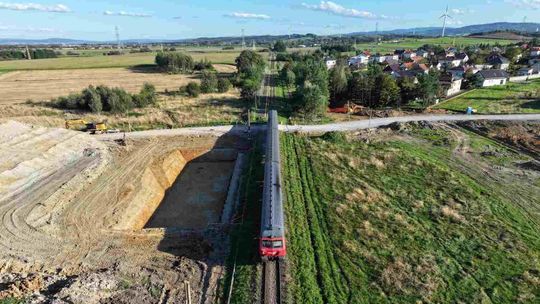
(209, 82)
(203, 65)
(224, 85)
(193, 89)
(147, 96)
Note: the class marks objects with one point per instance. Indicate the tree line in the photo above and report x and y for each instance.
(34, 54)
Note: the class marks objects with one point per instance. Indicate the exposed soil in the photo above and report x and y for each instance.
(73, 209)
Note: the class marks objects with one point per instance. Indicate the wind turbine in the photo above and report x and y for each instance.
(445, 16)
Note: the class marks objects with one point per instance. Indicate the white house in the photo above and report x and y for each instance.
(330, 63)
(451, 85)
(493, 77)
(499, 62)
(409, 54)
(422, 53)
(377, 58)
(450, 62)
(359, 59)
(535, 52)
(463, 57)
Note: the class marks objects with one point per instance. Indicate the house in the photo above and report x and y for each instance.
(392, 68)
(450, 85)
(419, 68)
(535, 52)
(458, 71)
(493, 77)
(480, 67)
(463, 57)
(409, 54)
(405, 74)
(399, 53)
(525, 71)
(449, 62)
(534, 61)
(359, 59)
(498, 61)
(536, 68)
(330, 63)
(422, 53)
(377, 58)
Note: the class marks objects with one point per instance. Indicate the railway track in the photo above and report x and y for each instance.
(273, 282)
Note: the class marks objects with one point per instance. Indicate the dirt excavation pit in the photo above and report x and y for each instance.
(197, 194)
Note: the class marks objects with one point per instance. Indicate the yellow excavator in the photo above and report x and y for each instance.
(83, 125)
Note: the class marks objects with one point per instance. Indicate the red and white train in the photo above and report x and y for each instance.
(272, 243)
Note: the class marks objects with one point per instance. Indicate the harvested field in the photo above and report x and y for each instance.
(20, 86)
(74, 207)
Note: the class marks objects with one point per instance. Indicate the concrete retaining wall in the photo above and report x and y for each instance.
(523, 78)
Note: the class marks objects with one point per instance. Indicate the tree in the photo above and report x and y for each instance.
(224, 85)
(287, 77)
(193, 89)
(312, 101)
(512, 53)
(360, 89)
(408, 90)
(388, 92)
(338, 82)
(92, 99)
(209, 82)
(250, 67)
(279, 47)
(428, 87)
(174, 62)
(147, 96)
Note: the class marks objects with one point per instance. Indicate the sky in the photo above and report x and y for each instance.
(167, 19)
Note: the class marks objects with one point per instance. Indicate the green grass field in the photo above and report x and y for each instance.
(386, 47)
(404, 221)
(90, 62)
(510, 98)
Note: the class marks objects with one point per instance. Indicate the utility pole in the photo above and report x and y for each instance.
(117, 32)
(28, 55)
(253, 46)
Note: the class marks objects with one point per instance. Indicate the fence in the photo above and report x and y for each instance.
(523, 78)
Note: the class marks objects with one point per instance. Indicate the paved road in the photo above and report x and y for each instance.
(342, 126)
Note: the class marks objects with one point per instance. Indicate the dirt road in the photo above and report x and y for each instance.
(342, 126)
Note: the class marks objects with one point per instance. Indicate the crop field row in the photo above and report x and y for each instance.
(510, 98)
(402, 220)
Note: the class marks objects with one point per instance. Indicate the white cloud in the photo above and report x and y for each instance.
(527, 4)
(461, 11)
(248, 16)
(127, 14)
(55, 8)
(336, 9)
(454, 22)
(27, 29)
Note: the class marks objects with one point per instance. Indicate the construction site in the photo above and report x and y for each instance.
(88, 220)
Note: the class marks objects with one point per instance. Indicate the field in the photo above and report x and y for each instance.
(20, 86)
(510, 98)
(429, 213)
(99, 61)
(409, 43)
(16, 88)
(78, 210)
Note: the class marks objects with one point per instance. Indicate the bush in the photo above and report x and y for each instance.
(203, 65)
(103, 98)
(209, 82)
(193, 89)
(224, 85)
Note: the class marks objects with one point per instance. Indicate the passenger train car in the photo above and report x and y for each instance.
(272, 243)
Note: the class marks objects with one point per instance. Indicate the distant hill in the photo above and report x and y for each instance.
(422, 31)
(461, 31)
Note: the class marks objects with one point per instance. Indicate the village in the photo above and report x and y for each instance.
(458, 69)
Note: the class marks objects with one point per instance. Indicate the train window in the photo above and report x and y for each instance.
(277, 244)
(272, 244)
